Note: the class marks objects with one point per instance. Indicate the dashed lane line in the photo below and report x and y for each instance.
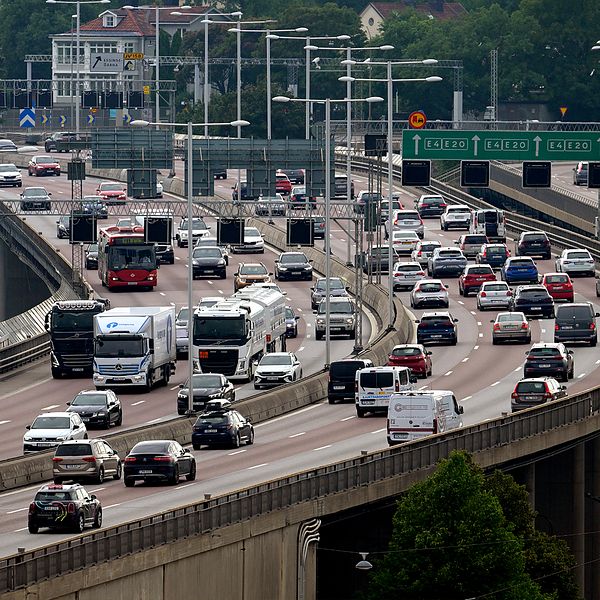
(321, 448)
(257, 466)
(295, 435)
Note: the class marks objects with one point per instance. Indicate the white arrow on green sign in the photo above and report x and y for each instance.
(501, 145)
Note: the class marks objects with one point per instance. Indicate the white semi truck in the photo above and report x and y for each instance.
(232, 335)
(134, 346)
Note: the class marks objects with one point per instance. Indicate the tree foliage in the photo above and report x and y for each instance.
(459, 535)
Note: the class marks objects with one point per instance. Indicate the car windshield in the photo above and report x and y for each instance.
(196, 224)
(89, 400)
(209, 381)
(430, 287)
(495, 250)
(151, 448)
(334, 284)
(35, 192)
(345, 369)
(212, 420)
(9, 168)
(406, 351)
(253, 270)
(557, 278)
(52, 496)
(534, 237)
(293, 258)
(428, 247)
(410, 215)
(574, 312)
(433, 200)
(437, 321)
(529, 387)
(521, 262)
(289, 313)
(73, 450)
(344, 308)
(275, 360)
(449, 253)
(405, 235)
(111, 187)
(207, 252)
(408, 268)
(51, 423)
(529, 292)
(251, 232)
(183, 314)
(376, 380)
(475, 239)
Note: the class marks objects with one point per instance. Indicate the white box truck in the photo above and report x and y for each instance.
(134, 346)
(413, 415)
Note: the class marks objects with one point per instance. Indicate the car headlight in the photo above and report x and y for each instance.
(320, 321)
(308, 268)
(182, 395)
(213, 396)
(349, 321)
(61, 438)
(282, 268)
(221, 262)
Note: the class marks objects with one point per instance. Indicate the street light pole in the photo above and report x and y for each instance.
(157, 67)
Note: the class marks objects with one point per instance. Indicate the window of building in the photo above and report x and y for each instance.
(371, 21)
(109, 20)
(129, 47)
(103, 47)
(63, 51)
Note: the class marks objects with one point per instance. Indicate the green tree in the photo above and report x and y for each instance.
(452, 540)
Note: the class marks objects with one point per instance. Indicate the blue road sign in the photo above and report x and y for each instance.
(27, 117)
(62, 120)
(45, 119)
(91, 119)
(126, 119)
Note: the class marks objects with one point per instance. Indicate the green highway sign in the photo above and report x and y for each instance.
(500, 145)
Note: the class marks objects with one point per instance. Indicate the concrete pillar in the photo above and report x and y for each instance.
(578, 491)
(594, 524)
(530, 483)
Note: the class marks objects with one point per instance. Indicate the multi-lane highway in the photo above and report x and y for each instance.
(481, 375)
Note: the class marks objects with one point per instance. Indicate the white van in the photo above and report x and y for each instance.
(374, 386)
(412, 415)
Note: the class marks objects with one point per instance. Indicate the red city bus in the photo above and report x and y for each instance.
(125, 258)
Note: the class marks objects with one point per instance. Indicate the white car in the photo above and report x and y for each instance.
(457, 216)
(407, 220)
(576, 260)
(10, 175)
(181, 331)
(494, 294)
(199, 229)
(208, 301)
(277, 368)
(429, 292)
(49, 429)
(424, 250)
(404, 242)
(253, 242)
(406, 274)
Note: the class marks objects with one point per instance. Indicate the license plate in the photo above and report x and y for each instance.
(272, 378)
(145, 471)
(545, 366)
(86, 419)
(209, 270)
(567, 327)
(132, 283)
(536, 308)
(72, 467)
(436, 336)
(210, 431)
(338, 387)
(296, 272)
(400, 436)
(51, 508)
(368, 402)
(77, 369)
(531, 398)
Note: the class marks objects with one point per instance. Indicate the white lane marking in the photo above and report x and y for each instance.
(475, 347)
(210, 283)
(177, 258)
(180, 487)
(379, 430)
(465, 359)
(517, 369)
(220, 291)
(598, 362)
(582, 375)
(236, 452)
(4, 422)
(301, 348)
(142, 401)
(18, 491)
(173, 388)
(460, 302)
(18, 530)
(297, 434)
(348, 418)
(12, 512)
(154, 421)
(257, 466)
(162, 293)
(472, 312)
(448, 373)
(481, 335)
(309, 324)
(299, 309)
(478, 323)
(423, 387)
(96, 490)
(543, 331)
(50, 407)
(321, 448)
(467, 398)
(113, 505)
(296, 412)
(494, 384)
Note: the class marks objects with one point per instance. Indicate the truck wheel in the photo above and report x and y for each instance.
(360, 412)
(149, 382)
(56, 373)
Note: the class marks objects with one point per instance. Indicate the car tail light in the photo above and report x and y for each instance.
(435, 426)
(556, 327)
(524, 325)
(396, 274)
(419, 253)
(483, 295)
(89, 459)
(514, 395)
(421, 326)
(130, 459)
(443, 205)
(57, 459)
(163, 459)
(496, 326)
(592, 326)
(509, 293)
(32, 508)
(71, 507)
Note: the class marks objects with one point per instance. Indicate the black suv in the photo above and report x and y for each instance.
(61, 506)
(533, 243)
(532, 300)
(226, 427)
(293, 265)
(431, 206)
(205, 387)
(52, 142)
(546, 359)
(209, 261)
(340, 385)
(576, 323)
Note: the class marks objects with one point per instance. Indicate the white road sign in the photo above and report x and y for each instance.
(106, 62)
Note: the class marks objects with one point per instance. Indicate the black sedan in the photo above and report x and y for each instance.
(205, 387)
(100, 408)
(158, 460)
(533, 300)
(293, 265)
(91, 256)
(291, 323)
(219, 427)
(210, 261)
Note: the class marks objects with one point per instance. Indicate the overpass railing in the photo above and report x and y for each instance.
(84, 551)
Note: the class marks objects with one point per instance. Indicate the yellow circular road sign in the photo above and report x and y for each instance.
(417, 119)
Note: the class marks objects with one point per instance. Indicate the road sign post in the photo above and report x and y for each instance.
(501, 145)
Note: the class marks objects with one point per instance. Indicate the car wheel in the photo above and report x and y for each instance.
(191, 476)
(98, 519)
(85, 436)
(360, 412)
(250, 440)
(235, 442)
(454, 341)
(196, 446)
(174, 479)
(119, 420)
(318, 335)
(100, 476)
(33, 528)
(57, 480)
(79, 524)
(129, 482)
(118, 472)
(593, 342)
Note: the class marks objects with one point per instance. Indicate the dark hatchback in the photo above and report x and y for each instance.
(431, 206)
(532, 300)
(437, 327)
(99, 408)
(494, 255)
(296, 176)
(158, 460)
(549, 360)
(293, 265)
(576, 323)
(59, 506)
(209, 261)
(533, 243)
(205, 387)
(228, 428)
(342, 373)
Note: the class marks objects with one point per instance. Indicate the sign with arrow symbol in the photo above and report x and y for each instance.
(106, 62)
(500, 145)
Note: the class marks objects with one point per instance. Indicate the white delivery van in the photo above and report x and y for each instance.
(373, 387)
(412, 415)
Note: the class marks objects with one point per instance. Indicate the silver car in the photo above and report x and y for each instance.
(406, 274)
(337, 288)
(423, 251)
(494, 294)
(408, 220)
(511, 326)
(429, 292)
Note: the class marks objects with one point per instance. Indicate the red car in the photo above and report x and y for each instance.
(111, 192)
(283, 185)
(559, 286)
(413, 356)
(472, 278)
(43, 165)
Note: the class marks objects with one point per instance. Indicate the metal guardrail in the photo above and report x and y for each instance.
(54, 560)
